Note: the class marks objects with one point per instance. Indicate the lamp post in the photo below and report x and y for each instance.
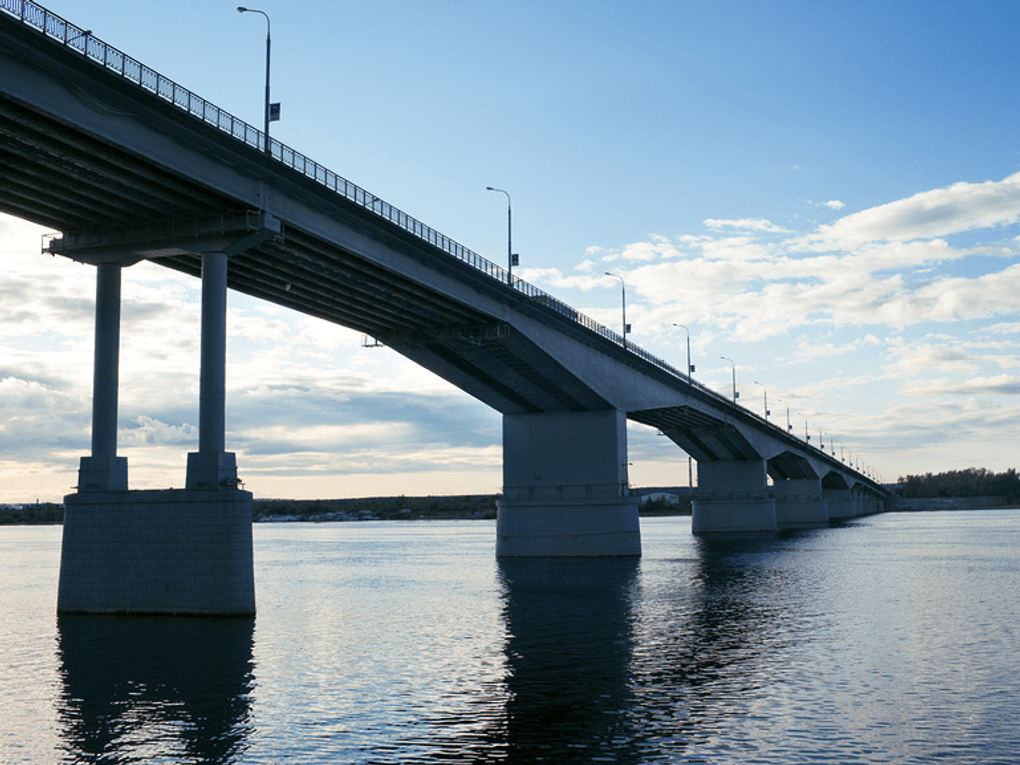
(765, 394)
(511, 259)
(623, 293)
(735, 394)
(272, 111)
(690, 366)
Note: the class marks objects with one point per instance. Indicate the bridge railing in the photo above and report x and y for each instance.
(118, 62)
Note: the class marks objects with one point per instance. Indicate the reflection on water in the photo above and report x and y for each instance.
(569, 641)
(705, 634)
(144, 688)
(889, 640)
(641, 661)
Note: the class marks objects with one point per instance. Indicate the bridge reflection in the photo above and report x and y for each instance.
(154, 686)
(608, 658)
(570, 639)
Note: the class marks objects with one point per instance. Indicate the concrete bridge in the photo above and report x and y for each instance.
(130, 166)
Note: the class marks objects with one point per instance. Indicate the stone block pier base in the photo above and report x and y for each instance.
(565, 528)
(157, 552)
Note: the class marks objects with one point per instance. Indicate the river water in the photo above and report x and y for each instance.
(891, 639)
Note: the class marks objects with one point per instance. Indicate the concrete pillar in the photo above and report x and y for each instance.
(732, 498)
(212, 467)
(565, 487)
(841, 503)
(103, 470)
(800, 504)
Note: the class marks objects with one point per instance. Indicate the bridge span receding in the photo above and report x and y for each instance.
(129, 166)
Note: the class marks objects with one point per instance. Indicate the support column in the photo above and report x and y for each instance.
(103, 470)
(732, 498)
(212, 467)
(800, 504)
(565, 489)
(159, 552)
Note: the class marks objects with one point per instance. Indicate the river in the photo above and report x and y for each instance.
(890, 639)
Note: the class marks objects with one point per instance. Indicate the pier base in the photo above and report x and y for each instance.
(841, 504)
(732, 498)
(800, 504)
(733, 514)
(157, 552)
(565, 527)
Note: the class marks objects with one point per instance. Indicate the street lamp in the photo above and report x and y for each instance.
(511, 259)
(735, 394)
(623, 292)
(272, 111)
(690, 366)
(765, 394)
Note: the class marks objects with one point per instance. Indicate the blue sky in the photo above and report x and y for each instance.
(827, 193)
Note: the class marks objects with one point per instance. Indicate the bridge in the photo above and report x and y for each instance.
(129, 166)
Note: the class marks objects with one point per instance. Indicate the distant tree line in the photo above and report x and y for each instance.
(42, 512)
(972, 482)
(381, 508)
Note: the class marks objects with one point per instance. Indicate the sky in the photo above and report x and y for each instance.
(827, 193)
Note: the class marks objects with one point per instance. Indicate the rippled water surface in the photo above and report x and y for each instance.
(890, 639)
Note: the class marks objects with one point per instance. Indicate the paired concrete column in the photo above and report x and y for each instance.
(212, 467)
(103, 470)
(800, 504)
(565, 489)
(732, 498)
(159, 552)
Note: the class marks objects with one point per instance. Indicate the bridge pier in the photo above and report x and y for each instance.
(841, 503)
(732, 498)
(800, 504)
(565, 487)
(158, 552)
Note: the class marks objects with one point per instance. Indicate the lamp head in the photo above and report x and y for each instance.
(241, 9)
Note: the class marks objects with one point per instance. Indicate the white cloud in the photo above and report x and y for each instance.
(930, 214)
(998, 385)
(749, 224)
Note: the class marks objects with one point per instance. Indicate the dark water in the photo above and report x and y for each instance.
(893, 639)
